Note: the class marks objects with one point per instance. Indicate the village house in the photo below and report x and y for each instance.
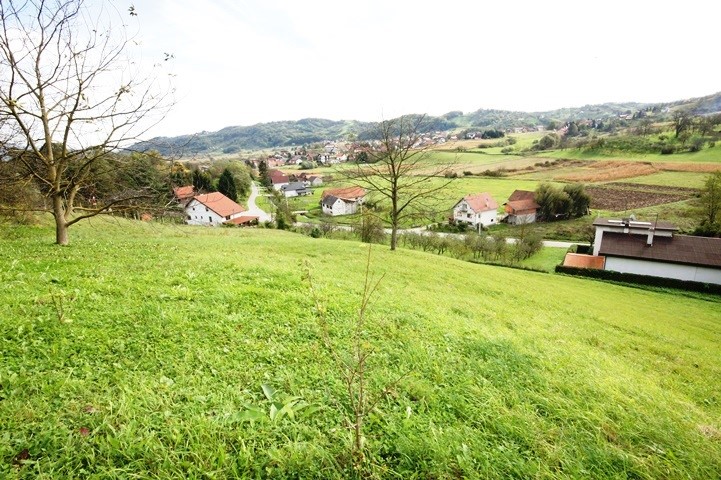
(278, 179)
(521, 208)
(295, 189)
(654, 249)
(342, 201)
(214, 209)
(309, 180)
(477, 209)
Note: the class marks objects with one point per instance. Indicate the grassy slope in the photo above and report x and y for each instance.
(707, 155)
(170, 333)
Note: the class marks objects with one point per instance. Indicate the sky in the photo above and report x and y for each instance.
(242, 62)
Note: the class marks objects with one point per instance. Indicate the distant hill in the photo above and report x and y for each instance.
(231, 140)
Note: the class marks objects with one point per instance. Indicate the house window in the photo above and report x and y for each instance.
(189, 217)
(206, 209)
(210, 219)
(227, 217)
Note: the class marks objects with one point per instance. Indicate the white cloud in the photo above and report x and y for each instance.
(243, 62)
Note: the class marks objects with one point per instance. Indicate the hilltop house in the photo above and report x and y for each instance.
(521, 208)
(214, 209)
(342, 201)
(652, 248)
(478, 209)
(278, 179)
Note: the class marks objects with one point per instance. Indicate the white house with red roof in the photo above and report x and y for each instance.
(215, 209)
(342, 201)
(476, 209)
(278, 179)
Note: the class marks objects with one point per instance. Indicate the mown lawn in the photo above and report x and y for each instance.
(140, 351)
(545, 259)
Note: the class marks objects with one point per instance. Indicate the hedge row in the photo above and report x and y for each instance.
(641, 279)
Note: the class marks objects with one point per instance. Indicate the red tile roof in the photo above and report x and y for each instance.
(243, 219)
(580, 260)
(276, 176)
(682, 249)
(184, 193)
(522, 195)
(521, 207)
(346, 193)
(219, 203)
(481, 202)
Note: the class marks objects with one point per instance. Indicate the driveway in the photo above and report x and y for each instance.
(253, 209)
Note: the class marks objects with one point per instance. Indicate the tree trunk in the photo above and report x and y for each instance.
(394, 219)
(61, 227)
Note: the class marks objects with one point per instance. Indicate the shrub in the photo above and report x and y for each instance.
(640, 279)
(370, 228)
(696, 145)
(668, 150)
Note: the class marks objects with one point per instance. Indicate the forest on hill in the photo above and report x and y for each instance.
(233, 139)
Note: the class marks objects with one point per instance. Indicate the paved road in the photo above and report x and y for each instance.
(423, 231)
(253, 209)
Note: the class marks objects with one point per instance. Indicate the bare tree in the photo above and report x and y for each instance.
(70, 97)
(401, 172)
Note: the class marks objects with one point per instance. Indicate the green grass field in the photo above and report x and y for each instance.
(707, 155)
(672, 179)
(141, 351)
(546, 259)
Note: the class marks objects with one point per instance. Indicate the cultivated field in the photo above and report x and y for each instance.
(655, 185)
(151, 351)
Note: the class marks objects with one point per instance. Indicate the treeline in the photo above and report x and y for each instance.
(470, 246)
(130, 183)
(232, 178)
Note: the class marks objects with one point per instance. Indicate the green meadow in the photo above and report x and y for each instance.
(706, 155)
(157, 351)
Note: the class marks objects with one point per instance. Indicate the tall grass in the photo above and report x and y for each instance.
(171, 336)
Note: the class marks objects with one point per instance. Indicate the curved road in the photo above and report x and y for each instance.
(253, 209)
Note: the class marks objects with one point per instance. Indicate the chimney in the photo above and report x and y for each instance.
(649, 239)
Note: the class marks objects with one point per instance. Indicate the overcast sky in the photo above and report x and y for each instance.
(241, 62)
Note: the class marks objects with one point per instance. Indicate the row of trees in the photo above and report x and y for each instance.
(478, 247)
(232, 178)
(685, 123)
